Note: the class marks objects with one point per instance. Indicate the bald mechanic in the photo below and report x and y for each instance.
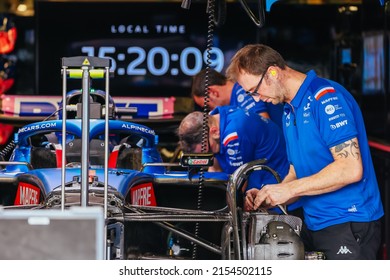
(237, 137)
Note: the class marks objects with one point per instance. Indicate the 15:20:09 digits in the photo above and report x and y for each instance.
(157, 61)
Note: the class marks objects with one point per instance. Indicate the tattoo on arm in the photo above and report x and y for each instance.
(348, 148)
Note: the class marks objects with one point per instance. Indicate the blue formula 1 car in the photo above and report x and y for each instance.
(88, 157)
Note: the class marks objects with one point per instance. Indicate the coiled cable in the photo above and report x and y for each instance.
(7, 150)
(205, 127)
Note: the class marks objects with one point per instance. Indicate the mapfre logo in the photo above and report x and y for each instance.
(143, 195)
(27, 194)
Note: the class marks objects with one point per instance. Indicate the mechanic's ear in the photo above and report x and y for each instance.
(273, 71)
(214, 91)
(214, 132)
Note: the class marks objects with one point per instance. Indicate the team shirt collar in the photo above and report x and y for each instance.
(297, 100)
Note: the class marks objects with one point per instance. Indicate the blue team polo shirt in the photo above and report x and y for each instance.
(239, 98)
(322, 115)
(246, 136)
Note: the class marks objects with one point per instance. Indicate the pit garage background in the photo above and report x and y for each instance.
(344, 40)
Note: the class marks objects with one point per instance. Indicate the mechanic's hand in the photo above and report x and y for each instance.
(271, 195)
(249, 201)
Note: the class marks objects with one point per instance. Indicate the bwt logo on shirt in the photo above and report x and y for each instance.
(338, 125)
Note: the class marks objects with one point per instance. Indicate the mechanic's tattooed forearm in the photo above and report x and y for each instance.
(348, 148)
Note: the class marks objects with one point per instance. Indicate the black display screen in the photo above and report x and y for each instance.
(155, 47)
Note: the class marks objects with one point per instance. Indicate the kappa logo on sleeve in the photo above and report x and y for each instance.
(230, 137)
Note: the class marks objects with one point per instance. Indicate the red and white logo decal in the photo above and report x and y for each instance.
(143, 195)
(27, 194)
(230, 137)
(198, 161)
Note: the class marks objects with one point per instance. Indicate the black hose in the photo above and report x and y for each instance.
(258, 21)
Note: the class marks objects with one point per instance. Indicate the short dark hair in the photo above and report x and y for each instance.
(199, 81)
(190, 131)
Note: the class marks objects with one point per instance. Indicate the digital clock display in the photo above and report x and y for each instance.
(156, 61)
(154, 47)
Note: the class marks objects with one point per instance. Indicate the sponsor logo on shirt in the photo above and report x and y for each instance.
(324, 91)
(240, 98)
(230, 137)
(236, 163)
(250, 106)
(288, 119)
(338, 124)
(336, 117)
(230, 152)
(329, 109)
(329, 99)
(236, 156)
(307, 107)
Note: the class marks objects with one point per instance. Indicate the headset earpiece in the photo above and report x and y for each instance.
(273, 72)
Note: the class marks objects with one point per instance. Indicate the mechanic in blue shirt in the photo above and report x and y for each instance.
(331, 169)
(237, 137)
(224, 92)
